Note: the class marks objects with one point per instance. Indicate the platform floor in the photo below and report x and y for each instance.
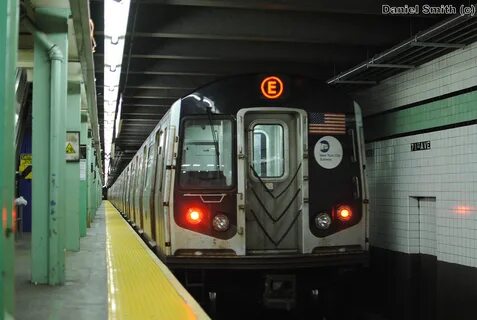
(84, 295)
(114, 276)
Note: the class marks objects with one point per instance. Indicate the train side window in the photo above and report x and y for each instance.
(268, 150)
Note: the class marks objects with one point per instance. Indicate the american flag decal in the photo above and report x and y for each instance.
(327, 123)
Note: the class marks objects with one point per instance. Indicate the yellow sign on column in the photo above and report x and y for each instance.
(25, 166)
(70, 149)
(72, 146)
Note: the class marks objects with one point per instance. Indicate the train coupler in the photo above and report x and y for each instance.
(280, 291)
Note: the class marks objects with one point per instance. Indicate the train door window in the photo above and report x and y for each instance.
(144, 170)
(268, 150)
(162, 153)
(150, 166)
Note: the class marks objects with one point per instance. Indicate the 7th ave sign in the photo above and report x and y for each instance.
(419, 146)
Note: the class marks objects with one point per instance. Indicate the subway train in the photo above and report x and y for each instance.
(260, 174)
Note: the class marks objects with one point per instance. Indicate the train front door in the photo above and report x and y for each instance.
(270, 163)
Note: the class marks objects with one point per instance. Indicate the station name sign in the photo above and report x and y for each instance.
(419, 146)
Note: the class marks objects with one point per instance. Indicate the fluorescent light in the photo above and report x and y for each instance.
(116, 18)
(113, 53)
(111, 93)
(115, 26)
(111, 78)
(118, 116)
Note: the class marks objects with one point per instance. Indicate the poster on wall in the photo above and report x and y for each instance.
(72, 146)
(82, 169)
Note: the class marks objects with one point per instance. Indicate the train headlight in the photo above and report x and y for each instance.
(323, 221)
(220, 222)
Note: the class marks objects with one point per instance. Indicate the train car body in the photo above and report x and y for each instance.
(252, 172)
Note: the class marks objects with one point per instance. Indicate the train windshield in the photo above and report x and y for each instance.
(206, 157)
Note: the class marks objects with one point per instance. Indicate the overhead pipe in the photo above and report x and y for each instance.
(398, 48)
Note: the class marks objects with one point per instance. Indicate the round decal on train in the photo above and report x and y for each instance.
(328, 152)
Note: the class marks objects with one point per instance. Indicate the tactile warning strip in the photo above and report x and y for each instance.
(140, 286)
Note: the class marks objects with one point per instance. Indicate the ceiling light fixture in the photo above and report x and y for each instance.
(115, 26)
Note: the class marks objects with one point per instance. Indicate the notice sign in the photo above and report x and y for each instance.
(82, 170)
(423, 145)
(72, 149)
(82, 151)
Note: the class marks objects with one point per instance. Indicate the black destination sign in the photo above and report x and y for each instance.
(418, 146)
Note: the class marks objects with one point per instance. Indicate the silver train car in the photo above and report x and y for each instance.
(256, 172)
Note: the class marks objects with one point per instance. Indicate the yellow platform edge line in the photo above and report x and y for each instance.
(114, 284)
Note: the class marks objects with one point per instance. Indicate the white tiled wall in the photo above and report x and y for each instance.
(447, 172)
(449, 73)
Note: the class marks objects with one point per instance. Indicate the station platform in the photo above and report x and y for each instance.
(113, 276)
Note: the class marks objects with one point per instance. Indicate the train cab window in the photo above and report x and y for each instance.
(268, 150)
(206, 157)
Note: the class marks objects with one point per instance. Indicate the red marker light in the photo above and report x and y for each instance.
(344, 213)
(194, 216)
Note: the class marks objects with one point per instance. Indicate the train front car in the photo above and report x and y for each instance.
(269, 175)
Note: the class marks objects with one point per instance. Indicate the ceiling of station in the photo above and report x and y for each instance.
(174, 46)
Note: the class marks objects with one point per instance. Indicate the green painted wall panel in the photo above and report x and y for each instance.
(439, 113)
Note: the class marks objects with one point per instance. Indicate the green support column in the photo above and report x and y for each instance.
(98, 189)
(90, 180)
(95, 188)
(83, 176)
(48, 146)
(72, 181)
(8, 61)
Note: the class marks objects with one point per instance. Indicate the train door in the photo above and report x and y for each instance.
(142, 182)
(148, 194)
(271, 152)
(137, 188)
(158, 187)
(126, 193)
(132, 189)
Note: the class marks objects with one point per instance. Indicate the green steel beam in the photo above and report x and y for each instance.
(80, 13)
(72, 185)
(83, 177)
(48, 150)
(8, 61)
(439, 113)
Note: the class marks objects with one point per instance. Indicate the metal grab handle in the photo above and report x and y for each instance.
(357, 193)
(354, 158)
(202, 195)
